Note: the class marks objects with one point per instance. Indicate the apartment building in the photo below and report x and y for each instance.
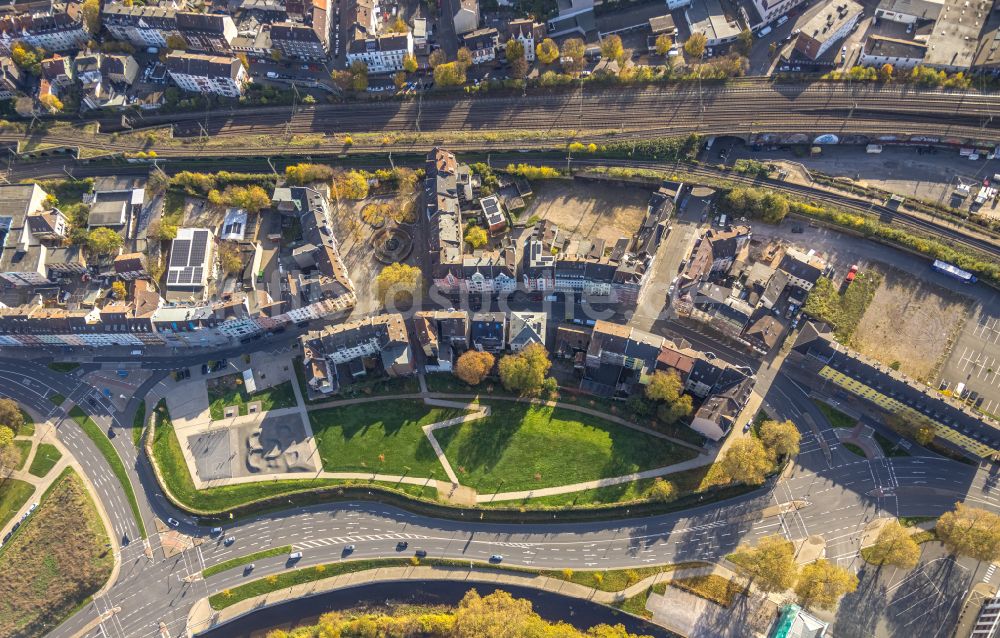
(528, 32)
(56, 29)
(11, 78)
(198, 73)
(482, 44)
(23, 254)
(337, 353)
(153, 26)
(382, 53)
(308, 36)
(442, 335)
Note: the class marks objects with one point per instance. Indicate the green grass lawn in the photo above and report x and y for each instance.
(170, 460)
(45, 459)
(836, 418)
(351, 438)
(138, 422)
(245, 560)
(381, 386)
(888, 447)
(23, 449)
(522, 447)
(28, 429)
(856, 449)
(56, 398)
(64, 366)
(103, 444)
(59, 557)
(843, 311)
(447, 382)
(227, 393)
(13, 495)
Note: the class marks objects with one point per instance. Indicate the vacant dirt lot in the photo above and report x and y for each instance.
(56, 561)
(589, 211)
(912, 322)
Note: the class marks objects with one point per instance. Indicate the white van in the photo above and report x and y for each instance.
(782, 20)
(295, 556)
(958, 390)
(136, 353)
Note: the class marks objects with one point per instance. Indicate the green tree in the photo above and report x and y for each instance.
(664, 386)
(770, 565)
(514, 50)
(547, 51)
(473, 366)
(437, 58)
(409, 63)
(449, 74)
(476, 237)
(970, 531)
(780, 438)
(397, 282)
(746, 461)
(661, 491)
(744, 41)
(894, 546)
(6, 436)
(104, 241)
(695, 45)
(525, 371)
(359, 76)
(663, 44)
(11, 415)
(821, 584)
(573, 54)
(612, 48)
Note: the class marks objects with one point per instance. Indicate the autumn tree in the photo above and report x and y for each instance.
(176, 42)
(911, 425)
(251, 198)
(6, 436)
(10, 458)
(667, 389)
(397, 282)
(473, 366)
(573, 54)
(744, 41)
(437, 58)
(885, 73)
(525, 371)
(229, 258)
(770, 565)
(464, 57)
(662, 491)
(11, 415)
(547, 51)
(51, 103)
(342, 79)
(746, 461)
(449, 74)
(970, 531)
(301, 174)
(92, 16)
(409, 63)
(399, 25)
(821, 584)
(26, 57)
(359, 76)
(104, 241)
(663, 44)
(350, 185)
(162, 230)
(476, 237)
(780, 438)
(894, 546)
(399, 79)
(695, 45)
(612, 48)
(118, 290)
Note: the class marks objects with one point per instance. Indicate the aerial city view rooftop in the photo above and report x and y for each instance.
(516, 318)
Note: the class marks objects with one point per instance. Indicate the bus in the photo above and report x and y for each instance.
(953, 271)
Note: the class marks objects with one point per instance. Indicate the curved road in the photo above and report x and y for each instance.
(151, 593)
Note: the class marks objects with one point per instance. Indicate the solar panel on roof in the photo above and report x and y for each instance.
(179, 253)
(196, 274)
(172, 277)
(198, 247)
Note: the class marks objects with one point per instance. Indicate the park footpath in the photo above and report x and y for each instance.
(202, 617)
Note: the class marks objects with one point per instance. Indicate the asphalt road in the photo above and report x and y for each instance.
(150, 593)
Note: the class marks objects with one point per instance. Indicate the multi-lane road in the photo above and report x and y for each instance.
(153, 593)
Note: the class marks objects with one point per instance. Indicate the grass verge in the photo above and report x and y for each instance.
(64, 366)
(138, 421)
(888, 447)
(117, 467)
(229, 390)
(856, 449)
(46, 457)
(28, 428)
(61, 557)
(275, 582)
(23, 450)
(56, 398)
(13, 495)
(711, 587)
(836, 418)
(245, 560)
(636, 605)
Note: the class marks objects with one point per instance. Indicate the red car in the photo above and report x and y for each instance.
(852, 273)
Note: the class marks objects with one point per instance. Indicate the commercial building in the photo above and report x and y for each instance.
(827, 26)
(710, 19)
(192, 259)
(214, 74)
(903, 55)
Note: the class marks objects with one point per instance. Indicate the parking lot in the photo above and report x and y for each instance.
(975, 359)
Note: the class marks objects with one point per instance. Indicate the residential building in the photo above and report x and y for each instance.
(827, 27)
(709, 18)
(49, 226)
(719, 413)
(442, 336)
(192, 260)
(199, 73)
(662, 25)
(465, 15)
(764, 332)
(482, 43)
(717, 306)
(443, 212)
(903, 55)
(575, 17)
(803, 269)
(143, 26)
(526, 328)
(256, 44)
(234, 225)
(130, 266)
(23, 255)
(104, 78)
(493, 214)
(987, 623)
(306, 40)
(58, 71)
(11, 78)
(769, 10)
(529, 33)
(350, 350)
(58, 28)
(383, 53)
(715, 252)
(489, 272)
(841, 369)
(488, 331)
(207, 32)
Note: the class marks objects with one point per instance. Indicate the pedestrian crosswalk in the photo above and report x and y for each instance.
(347, 540)
(989, 573)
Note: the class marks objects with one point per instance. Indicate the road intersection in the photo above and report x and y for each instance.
(153, 593)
